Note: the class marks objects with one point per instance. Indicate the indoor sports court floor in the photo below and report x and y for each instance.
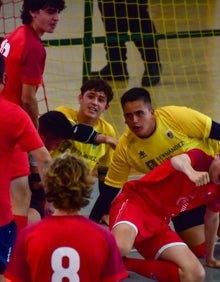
(190, 66)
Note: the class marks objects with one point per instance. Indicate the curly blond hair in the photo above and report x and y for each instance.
(68, 182)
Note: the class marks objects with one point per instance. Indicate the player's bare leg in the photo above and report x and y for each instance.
(20, 197)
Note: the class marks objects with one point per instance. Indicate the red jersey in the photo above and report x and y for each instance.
(71, 247)
(150, 202)
(15, 127)
(172, 192)
(25, 61)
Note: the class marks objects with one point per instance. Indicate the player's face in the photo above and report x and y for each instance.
(45, 20)
(139, 118)
(92, 105)
(214, 170)
(50, 142)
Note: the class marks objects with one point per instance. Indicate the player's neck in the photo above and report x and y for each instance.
(58, 212)
(82, 118)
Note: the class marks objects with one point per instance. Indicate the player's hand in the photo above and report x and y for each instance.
(111, 141)
(101, 138)
(105, 219)
(199, 177)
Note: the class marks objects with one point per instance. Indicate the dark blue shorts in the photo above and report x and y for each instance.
(7, 239)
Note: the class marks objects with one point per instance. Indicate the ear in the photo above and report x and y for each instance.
(33, 14)
(107, 106)
(4, 78)
(80, 96)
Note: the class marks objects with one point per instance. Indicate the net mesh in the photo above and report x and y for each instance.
(188, 38)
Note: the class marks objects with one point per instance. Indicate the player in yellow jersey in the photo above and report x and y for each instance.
(57, 133)
(94, 99)
(154, 135)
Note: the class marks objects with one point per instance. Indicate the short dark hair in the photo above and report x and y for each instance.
(36, 5)
(98, 84)
(55, 124)
(134, 94)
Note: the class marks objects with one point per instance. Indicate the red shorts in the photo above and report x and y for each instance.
(153, 231)
(20, 163)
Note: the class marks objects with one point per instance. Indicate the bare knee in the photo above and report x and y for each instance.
(195, 273)
(190, 268)
(124, 235)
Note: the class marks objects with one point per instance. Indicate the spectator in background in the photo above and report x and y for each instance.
(16, 127)
(67, 245)
(25, 60)
(119, 18)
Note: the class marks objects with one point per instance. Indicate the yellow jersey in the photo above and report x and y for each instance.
(94, 154)
(178, 129)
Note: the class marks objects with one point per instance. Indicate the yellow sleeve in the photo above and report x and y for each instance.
(71, 114)
(119, 169)
(193, 123)
(106, 128)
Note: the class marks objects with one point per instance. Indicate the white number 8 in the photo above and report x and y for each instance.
(70, 272)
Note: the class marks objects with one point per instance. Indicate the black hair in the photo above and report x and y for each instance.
(134, 94)
(98, 84)
(56, 124)
(36, 5)
(2, 64)
(2, 68)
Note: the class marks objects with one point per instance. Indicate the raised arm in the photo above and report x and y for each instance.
(182, 163)
(86, 134)
(55, 127)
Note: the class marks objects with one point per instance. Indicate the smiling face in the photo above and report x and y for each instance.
(140, 118)
(92, 105)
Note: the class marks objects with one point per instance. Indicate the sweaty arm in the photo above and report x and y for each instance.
(183, 164)
(86, 134)
(215, 131)
(29, 102)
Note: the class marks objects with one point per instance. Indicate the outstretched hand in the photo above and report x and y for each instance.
(101, 138)
(111, 141)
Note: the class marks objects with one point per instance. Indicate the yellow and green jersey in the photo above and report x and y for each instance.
(178, 129)
(94, 154)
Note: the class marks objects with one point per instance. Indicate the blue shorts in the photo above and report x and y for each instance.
(7, 239)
